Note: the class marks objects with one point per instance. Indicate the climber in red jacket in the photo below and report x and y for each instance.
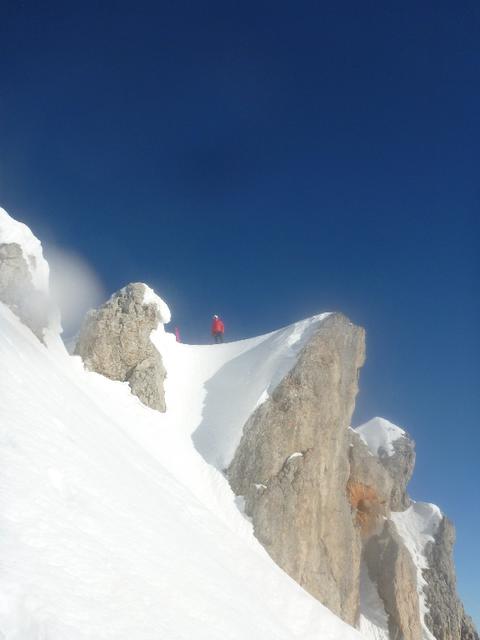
(218, 329)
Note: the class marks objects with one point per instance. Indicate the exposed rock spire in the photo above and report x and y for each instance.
(115, 341)
(292, 467)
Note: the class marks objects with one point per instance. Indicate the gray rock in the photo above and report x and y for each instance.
(292, 467)
(395, 450)
(319, 499)
(369, 486)
(400, 466)
(146, 382)
(446, 619)
(17, 290)
(390, 567)
(115, 341)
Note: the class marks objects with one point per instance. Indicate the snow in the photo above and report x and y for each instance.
(224, 383)
(150, 297)
(12, 231)
(297, 454)
(113, 525)
(379, 435)
(417, 526)
(263, 398)
(373, 617)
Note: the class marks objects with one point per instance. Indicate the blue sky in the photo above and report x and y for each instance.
(268, 161)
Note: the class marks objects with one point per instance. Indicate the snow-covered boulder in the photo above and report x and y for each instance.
(115, 341)
(24, 275)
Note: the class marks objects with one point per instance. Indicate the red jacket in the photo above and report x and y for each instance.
(217, 326)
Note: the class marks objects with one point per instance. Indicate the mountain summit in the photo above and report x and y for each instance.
(152, 489)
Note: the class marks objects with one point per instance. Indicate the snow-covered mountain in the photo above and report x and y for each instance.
(233, 508)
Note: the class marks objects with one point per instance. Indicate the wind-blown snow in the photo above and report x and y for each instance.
(113, 526)
(12, 231)
(417, 526)
(379, 435)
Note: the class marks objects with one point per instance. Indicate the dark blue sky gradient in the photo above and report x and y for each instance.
(268, 161)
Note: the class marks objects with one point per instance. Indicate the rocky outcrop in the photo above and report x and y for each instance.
(324, 499)
(382, 458)
(390, 567)
(400, 467)
(395, 450)
(115, 341)
(292, 467)
(446, 618)
(18, 292)
(369, 486)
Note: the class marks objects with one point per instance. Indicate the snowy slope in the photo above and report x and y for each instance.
(373, 622)
(224, 383)
(113, 525)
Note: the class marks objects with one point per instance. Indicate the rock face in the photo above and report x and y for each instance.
(382, 458)
(321, 496)
(369, 486)
(390, 567)
(395, 450)
(115, 341)
(292, 467)
(400, 467)
(446, 619)
(17, 290)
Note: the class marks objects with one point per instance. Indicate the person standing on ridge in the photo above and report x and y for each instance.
(218, 329)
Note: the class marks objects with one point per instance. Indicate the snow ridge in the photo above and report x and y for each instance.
(211, 377)
(113, 525)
